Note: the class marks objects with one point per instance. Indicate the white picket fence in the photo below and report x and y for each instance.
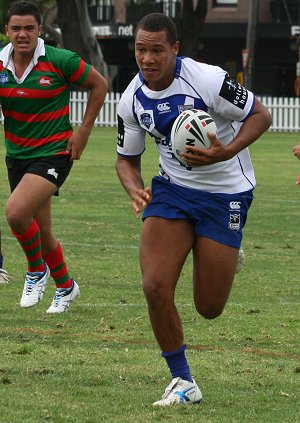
(107, 115)
(285, 111)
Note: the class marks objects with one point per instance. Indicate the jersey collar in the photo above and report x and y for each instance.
(6, 52)
(6, 58)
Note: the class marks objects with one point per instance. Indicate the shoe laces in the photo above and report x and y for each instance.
(59, 294)
(31, 281)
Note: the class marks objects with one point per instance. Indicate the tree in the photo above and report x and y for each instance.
(193, 14)
(3, 9)
(77, 32)
(50, 27)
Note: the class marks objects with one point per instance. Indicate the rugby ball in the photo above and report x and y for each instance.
(191, 128)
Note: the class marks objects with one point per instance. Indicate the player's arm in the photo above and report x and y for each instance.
(129, 172)
(252, 128)
(296, 152)
(97, 86)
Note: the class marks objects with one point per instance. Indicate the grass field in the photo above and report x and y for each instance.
(100, 363)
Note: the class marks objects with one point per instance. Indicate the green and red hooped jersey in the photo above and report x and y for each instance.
(36, 111)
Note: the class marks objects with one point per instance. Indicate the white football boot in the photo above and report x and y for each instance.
(180, 391)
(34, 287)
(62, 299)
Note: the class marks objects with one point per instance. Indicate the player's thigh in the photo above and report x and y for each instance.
(165, 244)
(30, 195)
(214, 269)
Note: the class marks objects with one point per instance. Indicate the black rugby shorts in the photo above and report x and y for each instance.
(53, 168)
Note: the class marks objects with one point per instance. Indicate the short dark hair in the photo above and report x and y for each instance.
(22, 8)
(156, 22)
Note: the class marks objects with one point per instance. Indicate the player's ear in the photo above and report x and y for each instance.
(176, 48)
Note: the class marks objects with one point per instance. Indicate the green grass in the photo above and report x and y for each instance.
(100, 362)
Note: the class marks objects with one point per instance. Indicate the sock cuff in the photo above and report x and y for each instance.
(174, 353)
(29, 233)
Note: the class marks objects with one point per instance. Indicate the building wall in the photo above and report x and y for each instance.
(239, 13)
(221, 41)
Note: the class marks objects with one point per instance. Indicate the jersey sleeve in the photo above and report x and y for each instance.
(74, 69)
(131, 137)
(234, 101)
(224, 95)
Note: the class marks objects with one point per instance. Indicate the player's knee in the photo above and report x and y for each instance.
(155, 293)
(11, 215)
(14, 217)
(209, 311)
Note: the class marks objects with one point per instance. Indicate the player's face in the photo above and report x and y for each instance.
(156, 58)
(23, 32)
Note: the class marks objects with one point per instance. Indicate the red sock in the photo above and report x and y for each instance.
(30, 242)
(58, 268)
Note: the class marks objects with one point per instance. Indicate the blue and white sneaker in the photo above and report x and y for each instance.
(180, 391)
(34, 287)
(63, 297)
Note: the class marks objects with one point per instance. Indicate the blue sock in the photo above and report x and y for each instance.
(1, 261)
(177, 363)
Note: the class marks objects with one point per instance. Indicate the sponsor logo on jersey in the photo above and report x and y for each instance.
(235, 205)
(121, 132)
(52, 172)
(45, 81)
(234, 221)
(184, 107)
(164, 107)
(3, 78)
(234, 92)
(21, 93)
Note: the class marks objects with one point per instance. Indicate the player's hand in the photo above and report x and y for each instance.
(296, 151)
(217, 152)
(140, 200)
(76, 145)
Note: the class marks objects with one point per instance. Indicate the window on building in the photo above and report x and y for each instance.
(222, 3)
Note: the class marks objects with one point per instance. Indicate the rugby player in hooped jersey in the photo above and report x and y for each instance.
(199, 208)
(41, 145)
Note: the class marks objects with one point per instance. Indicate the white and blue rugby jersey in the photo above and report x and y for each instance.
(198, 86)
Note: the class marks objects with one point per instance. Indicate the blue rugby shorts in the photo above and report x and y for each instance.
(217, 216)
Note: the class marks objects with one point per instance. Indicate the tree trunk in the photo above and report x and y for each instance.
(77, 33)
(193, 14)
(49, 16)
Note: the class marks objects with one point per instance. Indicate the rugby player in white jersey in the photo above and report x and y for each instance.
(200, 207)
